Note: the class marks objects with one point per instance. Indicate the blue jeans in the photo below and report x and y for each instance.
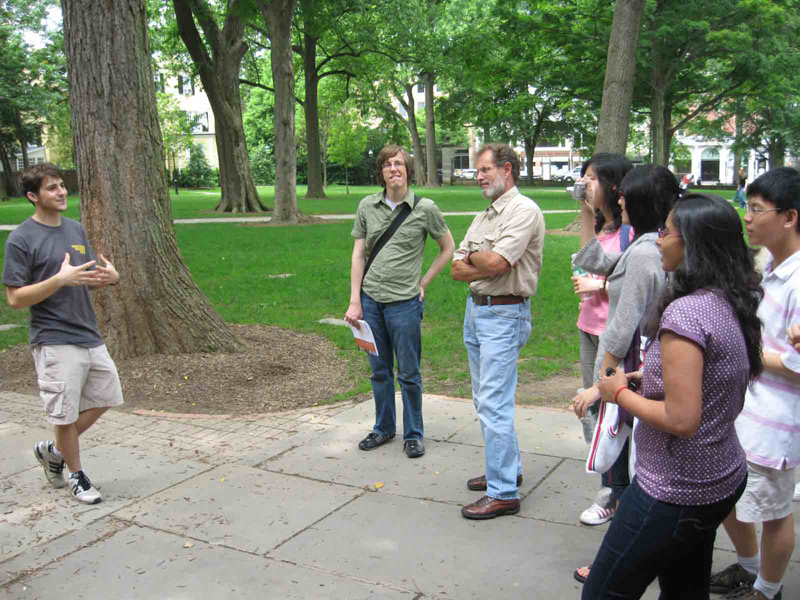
(398, 333)
(494, 335)
(648, 539)
(740, 197)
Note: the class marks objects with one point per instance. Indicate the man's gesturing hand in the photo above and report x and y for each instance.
(69, 275)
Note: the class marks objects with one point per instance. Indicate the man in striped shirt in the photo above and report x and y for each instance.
(769, 426)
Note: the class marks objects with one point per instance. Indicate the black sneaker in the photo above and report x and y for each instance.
(731, 578)
(82, 488)
(373, 440)
(414, 448)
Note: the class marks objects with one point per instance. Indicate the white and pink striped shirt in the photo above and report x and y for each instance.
(769, 425)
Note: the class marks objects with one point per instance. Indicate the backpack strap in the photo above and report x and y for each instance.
(624, 237)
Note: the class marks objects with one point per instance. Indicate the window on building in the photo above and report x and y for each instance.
(158, 79)
(402, 110)
(200, 122)
(180, 84)
(20, 164)
(421, 88)
(420, 105)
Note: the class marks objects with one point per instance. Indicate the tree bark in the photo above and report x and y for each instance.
(411, 123)
(10, 184)
(219, 73)
(125, 203)
(659, 123)
(277, 15)
(777, 151)
(430, 132)
(311, 109)
(612, 129)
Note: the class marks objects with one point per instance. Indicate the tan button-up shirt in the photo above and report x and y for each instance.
(513, 227)
(395, 273)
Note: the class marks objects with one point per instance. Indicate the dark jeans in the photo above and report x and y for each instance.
(397, 327)
(618, 477)
(648, 539)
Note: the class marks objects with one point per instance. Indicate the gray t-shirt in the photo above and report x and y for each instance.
(35, 252)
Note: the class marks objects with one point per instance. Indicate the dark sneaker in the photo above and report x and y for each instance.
(748, 592)
(730, 579)
(52, 464)
(373, 440)
(414, 448)
(82, 488)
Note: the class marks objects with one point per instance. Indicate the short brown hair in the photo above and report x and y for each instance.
(33, 176)
(388, 152)
(502, 154)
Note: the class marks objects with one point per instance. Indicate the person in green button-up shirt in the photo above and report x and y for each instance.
(390, 296)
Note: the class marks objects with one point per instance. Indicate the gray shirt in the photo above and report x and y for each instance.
(35, 252)
(635, 285)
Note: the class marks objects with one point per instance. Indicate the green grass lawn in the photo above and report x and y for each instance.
(234, 274)
(192, 204)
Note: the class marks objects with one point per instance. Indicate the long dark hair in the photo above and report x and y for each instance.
(610, 170)
(716, 258)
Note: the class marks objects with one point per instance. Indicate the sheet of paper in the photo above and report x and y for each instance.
(364, 338)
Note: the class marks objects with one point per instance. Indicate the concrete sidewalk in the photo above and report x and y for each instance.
(286, 506)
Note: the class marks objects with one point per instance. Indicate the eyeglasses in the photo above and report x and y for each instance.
(663, 232)
(393, 165)
(757, 210)
(485, 170)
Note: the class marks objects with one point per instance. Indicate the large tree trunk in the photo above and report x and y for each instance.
(219, 73)
(660, 123)
(612, 128)
(416, 142)
(311, 108)
(277, 15)
(125, 204)
(430, 132)
(10, 185)
(776, 148)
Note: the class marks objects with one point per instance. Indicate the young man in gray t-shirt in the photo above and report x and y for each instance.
(50, 268)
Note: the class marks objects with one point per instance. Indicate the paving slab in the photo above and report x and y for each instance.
(16, 447)
(440, 474)
(118, 567)
(429, 547)
(443, 417)
(34, 512)
(564, 495)
(540, 431)
(240, 507)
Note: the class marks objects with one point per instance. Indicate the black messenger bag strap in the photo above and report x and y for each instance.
(387, 235)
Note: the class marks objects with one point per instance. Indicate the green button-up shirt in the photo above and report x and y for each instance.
(396, 271)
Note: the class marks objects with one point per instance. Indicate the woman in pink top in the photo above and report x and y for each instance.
(602, 174)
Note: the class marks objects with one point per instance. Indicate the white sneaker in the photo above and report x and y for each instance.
(82, 488)
(597, 515)
(52, 464)
(796, 492)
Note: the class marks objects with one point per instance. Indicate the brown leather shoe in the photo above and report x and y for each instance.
(489, 508)
(478, 484)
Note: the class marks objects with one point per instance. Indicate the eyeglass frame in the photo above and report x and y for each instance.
(390, 165)
(760, 210)
(664, 232)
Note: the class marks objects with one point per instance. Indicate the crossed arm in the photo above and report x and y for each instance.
(479, 265)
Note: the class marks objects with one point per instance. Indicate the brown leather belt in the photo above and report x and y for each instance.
(481, 300)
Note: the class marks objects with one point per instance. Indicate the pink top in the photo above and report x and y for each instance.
(594, 310)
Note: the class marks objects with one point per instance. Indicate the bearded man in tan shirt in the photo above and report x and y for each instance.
(500, 258)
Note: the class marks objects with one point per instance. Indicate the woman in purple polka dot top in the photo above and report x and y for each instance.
(690, 467)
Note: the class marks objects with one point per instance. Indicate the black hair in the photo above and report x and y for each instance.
(649, 191)
(610, 169)
(717, 258)
(780, 187)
